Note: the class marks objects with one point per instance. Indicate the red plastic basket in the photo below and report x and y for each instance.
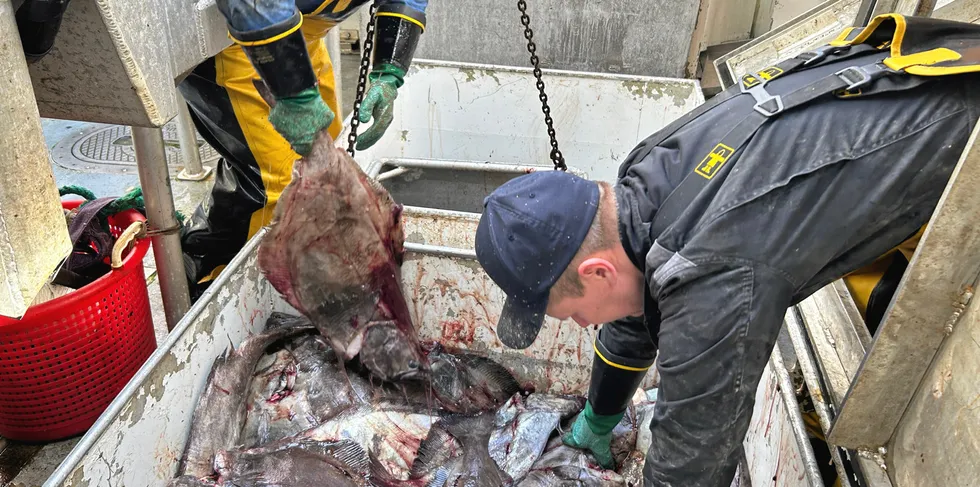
(67, 359)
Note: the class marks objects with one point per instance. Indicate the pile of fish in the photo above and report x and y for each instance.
(346, 394)
(282, 410)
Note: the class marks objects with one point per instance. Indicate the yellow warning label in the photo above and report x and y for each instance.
(770, 73)
(714, 161)
(749, 81)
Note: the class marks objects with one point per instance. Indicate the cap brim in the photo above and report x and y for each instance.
(520, 322)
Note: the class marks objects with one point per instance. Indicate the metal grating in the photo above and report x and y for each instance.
(109, 148)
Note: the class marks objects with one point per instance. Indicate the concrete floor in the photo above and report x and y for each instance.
(30, 465)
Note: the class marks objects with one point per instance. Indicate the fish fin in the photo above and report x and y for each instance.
(283, 320)
(352, 455)
(430, 450)
(440, 478)
(378, 475)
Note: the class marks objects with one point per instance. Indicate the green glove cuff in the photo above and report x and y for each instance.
(388, 73)
(599, 424)
(306, 96)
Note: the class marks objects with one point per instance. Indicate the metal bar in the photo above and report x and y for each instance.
(483, 166)
(869, 474)
(440, 250)
(333, 51)
(33, 234)
(796, 420)
(189, 152)
(937, 285)
(398, 171)
(151, 160)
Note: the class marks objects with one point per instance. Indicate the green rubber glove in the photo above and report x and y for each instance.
(379, 102)
(299, 118)
(593, 432)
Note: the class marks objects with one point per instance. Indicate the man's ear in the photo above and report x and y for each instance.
(596, 269)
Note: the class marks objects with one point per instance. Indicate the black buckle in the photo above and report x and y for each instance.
(821, 53)
(858, 76)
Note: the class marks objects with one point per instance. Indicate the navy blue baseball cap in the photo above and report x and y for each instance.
(532, 227)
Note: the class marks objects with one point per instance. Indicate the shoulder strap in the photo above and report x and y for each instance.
(918, 46)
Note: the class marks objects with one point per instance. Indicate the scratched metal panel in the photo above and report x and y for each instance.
(937, 444)
(615, 36)
(474, 112)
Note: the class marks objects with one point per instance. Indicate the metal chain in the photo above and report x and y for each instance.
(556, 156)
(366, 47)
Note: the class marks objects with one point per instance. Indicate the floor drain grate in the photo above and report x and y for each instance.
(109, 148)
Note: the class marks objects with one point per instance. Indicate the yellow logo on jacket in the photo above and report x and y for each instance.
(713, 162)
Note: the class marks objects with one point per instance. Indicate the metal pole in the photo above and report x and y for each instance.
(151, 160)
(818, 394)
(796, 421)
(333, 50)
(189, 153)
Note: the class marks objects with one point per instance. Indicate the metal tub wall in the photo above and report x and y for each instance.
(140, 437)
(487, 113)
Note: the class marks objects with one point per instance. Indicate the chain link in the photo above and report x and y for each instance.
(367, 46)
(556, 157)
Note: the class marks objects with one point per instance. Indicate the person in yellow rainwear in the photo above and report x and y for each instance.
(281, 42)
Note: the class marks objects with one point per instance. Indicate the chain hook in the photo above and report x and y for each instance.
(556, 156)
(367, 46)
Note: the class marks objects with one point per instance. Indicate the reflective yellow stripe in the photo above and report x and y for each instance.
(401, 16)
(922, 59)
(897, 36)
(341, 6)
(270, 40)
(613, 364)
(321, 7)
(841, 40)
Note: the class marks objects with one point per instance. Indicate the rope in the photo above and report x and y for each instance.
(76, 190)
(132, 200)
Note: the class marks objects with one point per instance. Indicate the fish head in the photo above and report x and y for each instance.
(391, 354)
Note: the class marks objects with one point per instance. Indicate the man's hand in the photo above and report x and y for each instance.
(593, 432)
(299, 118)
(379, 103)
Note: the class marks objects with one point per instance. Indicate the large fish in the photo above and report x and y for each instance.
(220, 411)
(304, 387)
(300, 464)
(455, 454)
(523, 427)
(561, 465)
(334, 251)
(277, 408)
